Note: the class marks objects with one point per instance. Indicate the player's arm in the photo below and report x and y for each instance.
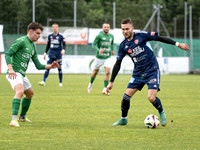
(112, 46)
(11, 72)
(40, 66)
(8, 55)
(94, 44)
(37, 63)
(47, 49)
(64, 46)
(115, 71)
(170, 41)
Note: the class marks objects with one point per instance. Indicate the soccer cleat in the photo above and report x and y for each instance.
(105, 93)
(60, 84)
(163, 119)
(121, 122)
(24, 119)
(14, 123)
(42, 83)
(89, 89)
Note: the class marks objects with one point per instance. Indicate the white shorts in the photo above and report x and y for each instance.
(99, 62)
(19, 79)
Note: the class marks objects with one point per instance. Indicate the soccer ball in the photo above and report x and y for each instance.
(151, 121)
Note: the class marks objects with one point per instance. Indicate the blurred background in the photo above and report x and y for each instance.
(179, 20)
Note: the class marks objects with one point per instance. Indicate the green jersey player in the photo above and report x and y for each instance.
(17, 59)
(103, 44)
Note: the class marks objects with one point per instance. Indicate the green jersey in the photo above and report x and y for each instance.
(20, 54)
(103, 41)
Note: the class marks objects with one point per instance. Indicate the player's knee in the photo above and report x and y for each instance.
(126, 97)
(60, 69)
(151, 98)
(47, 71)
(29, 95)
(95, 72)
(107, 73)
(19, 93)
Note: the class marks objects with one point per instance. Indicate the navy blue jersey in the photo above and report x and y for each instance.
(56, 42)
(141, 53)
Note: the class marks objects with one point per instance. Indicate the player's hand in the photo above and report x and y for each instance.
(101, 51)
(183, 46)
(113, 52)
(44, 56)
(12, 74)
(55, 64)
(63, 52)
(109, 87)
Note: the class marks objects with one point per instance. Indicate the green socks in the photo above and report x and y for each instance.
(15, 106)
(92, 80)
(105, 83)
(25, 105)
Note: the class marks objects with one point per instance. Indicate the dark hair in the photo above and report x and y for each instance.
(105, 23)
(126, 21)
(55, 24)
(34, 26)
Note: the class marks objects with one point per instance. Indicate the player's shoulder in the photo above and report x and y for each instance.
(100, 33)
(123, 43)
(60, 34)
(145, 33)
(140, 33)
(50, 35)
(22, 39)
(111, 35)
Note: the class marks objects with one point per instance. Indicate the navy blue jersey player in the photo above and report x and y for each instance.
(146, 68)
(56, 48)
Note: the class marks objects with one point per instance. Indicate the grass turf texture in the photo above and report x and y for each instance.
(69, 118)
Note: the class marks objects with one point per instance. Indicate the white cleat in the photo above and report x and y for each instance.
(14, 123)
(105, 93)
(42, 83)
(24, 119)
(60, 84)
(89, 89)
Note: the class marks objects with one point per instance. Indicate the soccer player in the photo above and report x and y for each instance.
(103, 44)
(146, 69)
(56, 47)
(17, 59)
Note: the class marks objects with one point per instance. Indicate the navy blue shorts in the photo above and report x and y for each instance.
(152, 80)
(54, 58)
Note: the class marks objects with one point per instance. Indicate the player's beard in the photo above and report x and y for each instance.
(105, 31)
(129, 36)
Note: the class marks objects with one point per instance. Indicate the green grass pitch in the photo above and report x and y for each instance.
(69, 118)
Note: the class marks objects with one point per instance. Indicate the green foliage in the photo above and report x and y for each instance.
(69, 118)
(92, 13)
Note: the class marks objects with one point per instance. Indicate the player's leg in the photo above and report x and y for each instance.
(17, 86)
(136, 83)
(26, 101)
(92, 78)
(153, 87)
(19, 90)
(43, 82)
(46, 73)
(158, 105)
(155, 100)
(107, 66)
(60, 74)
(125, 105)
(106, 80)
(97, 65)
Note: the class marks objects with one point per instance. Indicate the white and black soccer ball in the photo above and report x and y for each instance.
(151, 121)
